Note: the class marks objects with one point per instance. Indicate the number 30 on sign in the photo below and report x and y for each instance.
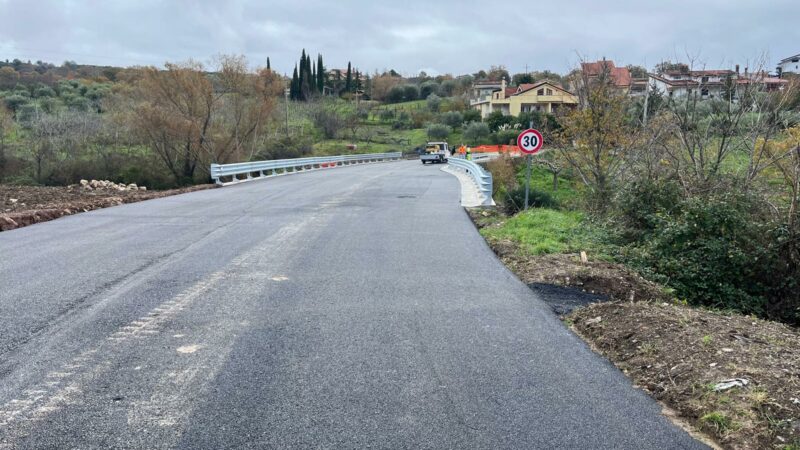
(530, 141)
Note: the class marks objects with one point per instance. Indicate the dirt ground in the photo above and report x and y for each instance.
(25, 205)
(678, 353)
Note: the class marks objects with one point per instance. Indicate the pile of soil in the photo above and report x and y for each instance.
(679, 354)
(25, 205)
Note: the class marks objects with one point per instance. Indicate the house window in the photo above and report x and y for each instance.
(705, 79)
(549, 92)
(704, 92)
(540, 92)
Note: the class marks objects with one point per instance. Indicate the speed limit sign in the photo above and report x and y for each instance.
(530, 141)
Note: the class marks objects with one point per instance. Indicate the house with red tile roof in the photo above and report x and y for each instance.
(544, 96)
(620, 76)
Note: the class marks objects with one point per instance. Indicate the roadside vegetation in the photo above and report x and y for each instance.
(690, 223)
(163, 127)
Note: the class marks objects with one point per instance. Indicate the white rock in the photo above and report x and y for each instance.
(84, 182)
(94, 184)
(142, 188)
(132, 186)
(13, 200)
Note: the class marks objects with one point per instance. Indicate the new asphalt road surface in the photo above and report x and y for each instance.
(351, 307)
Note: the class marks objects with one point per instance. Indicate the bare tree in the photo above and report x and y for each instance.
(596, 137)
(191, 119)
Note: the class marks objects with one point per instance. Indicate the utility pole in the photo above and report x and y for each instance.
(646, 99)
(286, 95)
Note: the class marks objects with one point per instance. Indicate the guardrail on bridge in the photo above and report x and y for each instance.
(259, 169)
(481, 177)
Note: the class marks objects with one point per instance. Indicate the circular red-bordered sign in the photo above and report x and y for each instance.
(530, 141)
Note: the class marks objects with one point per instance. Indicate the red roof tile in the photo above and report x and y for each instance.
(620, 75)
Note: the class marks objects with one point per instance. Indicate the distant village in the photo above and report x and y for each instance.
(671, 80)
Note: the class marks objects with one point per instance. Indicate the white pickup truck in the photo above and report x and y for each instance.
(435, 152)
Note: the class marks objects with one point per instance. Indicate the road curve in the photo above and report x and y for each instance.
(344, 308)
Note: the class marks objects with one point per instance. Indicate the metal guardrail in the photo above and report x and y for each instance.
(283, 166)
(482, 177)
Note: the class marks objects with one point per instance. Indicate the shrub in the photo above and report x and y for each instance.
(505, 137)
(434, 102)
(15, 101)
(327, 120)
(641, 205)
(410, 92)
(472, 115)
(44, 91)
(452, 118)
(448, 87)
(428, 88)
(420, 117)
(496, 120)
(400, 125)
(386, 115)
(475, 132)
(438, 131)
(395, 94)
(711, 251)
(514, 200)
(504, 176)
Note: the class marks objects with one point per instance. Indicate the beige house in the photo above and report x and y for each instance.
(543, 96)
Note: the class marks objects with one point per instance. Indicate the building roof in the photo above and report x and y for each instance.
(621, 76)
(525, 87)
(789, 58)
(701, 73)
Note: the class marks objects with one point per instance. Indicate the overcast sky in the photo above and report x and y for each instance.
(409, 35)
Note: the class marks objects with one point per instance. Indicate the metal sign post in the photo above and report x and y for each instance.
(529, 141)
(528, 181)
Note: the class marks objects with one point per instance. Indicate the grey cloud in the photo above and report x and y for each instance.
(443, 36)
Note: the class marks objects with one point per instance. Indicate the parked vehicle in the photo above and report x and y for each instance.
(435, 152)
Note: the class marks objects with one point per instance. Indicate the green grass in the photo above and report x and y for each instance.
(718, 421)
(541, 230)
(414, 104)
(542, 180)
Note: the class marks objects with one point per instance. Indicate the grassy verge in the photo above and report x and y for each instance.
(541, 231)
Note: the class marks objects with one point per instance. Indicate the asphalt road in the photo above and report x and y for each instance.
(348, 308)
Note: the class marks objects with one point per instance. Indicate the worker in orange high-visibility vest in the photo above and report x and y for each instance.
(462, 150)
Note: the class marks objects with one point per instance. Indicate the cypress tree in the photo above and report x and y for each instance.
(293, 87)
(313, 76)
(320, 74)
(268, 67)
(302, 73)
(358, 81)
(348, 81)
